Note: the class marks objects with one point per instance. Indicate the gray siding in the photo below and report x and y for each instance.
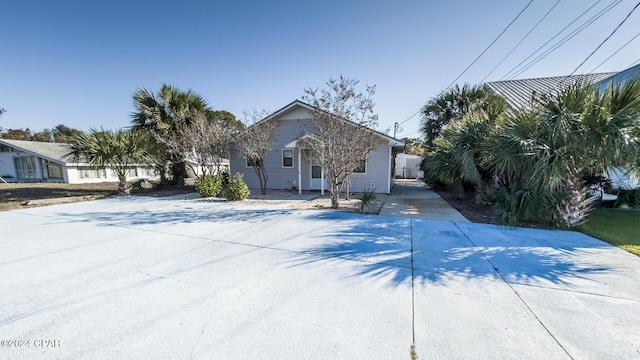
(377, 172)
(293, 125)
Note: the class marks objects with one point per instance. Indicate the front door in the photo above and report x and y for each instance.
(316, 177)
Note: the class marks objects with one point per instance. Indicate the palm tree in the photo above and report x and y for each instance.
(455, 125)
(164, 112)
(458, 155)
(118, 150)
(453, 104)
(544, 152)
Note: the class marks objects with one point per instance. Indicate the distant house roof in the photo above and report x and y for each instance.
(55, 152)
(518, 93)
(297, 103)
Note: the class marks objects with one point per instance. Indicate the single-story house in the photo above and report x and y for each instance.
(408, 166)
(289, 165)
(34, 161)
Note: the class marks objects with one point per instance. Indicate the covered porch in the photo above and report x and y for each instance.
(317, 179)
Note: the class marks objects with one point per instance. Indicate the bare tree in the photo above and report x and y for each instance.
(343, 134)
(256, 141)
(203, 142)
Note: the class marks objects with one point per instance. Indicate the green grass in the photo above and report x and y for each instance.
(618, 227)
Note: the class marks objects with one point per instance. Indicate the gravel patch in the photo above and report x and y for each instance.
(282, 198)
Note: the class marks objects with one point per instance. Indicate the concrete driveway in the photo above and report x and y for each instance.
(147, 278)
(412, 198)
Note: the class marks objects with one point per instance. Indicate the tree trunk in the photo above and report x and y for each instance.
(124, 188)
(347, 186)
(573, 210)
(334, 190)
(261, 172)
(179, 172)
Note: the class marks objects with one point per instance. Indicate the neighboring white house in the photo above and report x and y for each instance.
(290, 166)
(33, 161)
(408, 167)
(194, 170)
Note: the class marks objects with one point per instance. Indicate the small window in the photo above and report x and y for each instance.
(92, 173)
(250, 163)
(131, 171)
(287, 158)
(362, 167)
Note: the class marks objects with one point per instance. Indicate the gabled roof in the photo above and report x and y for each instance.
(55, 152)
(518, 93)
(297, 103)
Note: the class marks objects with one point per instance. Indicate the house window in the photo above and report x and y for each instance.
(92, 173)
(362, 167)
(147, 172)
(54, 170)
(287, 158)
(131, 171)
(250, 163)
(25, 167)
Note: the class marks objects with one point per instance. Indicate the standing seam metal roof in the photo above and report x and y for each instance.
(518, 93)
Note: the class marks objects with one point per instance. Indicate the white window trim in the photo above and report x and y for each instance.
(292, 157)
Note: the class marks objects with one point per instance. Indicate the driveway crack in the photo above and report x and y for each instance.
(535, 316)
(413, 297)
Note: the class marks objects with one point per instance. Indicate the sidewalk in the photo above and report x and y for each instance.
(413, 199)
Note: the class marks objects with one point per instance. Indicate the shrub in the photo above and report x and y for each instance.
(209, 185)
(143, 186)
(367, 199)
(629, 197)
(237, 189)
(518, 205)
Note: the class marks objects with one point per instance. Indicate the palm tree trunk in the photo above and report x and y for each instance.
(574, 209)
(124, 188)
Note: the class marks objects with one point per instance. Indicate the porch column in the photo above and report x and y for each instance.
(299, 172)
(322, 181)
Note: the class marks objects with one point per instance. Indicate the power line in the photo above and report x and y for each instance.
(605, 40)
(548, 41)
(409, 118)
(634, 63)
(493, 42)
(564, 40)
(617, 51)
(520, 42)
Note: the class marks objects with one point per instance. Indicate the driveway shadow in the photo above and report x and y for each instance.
(172, 217)
(382, 246)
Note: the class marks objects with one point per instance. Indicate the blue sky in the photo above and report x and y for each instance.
(79, 62)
